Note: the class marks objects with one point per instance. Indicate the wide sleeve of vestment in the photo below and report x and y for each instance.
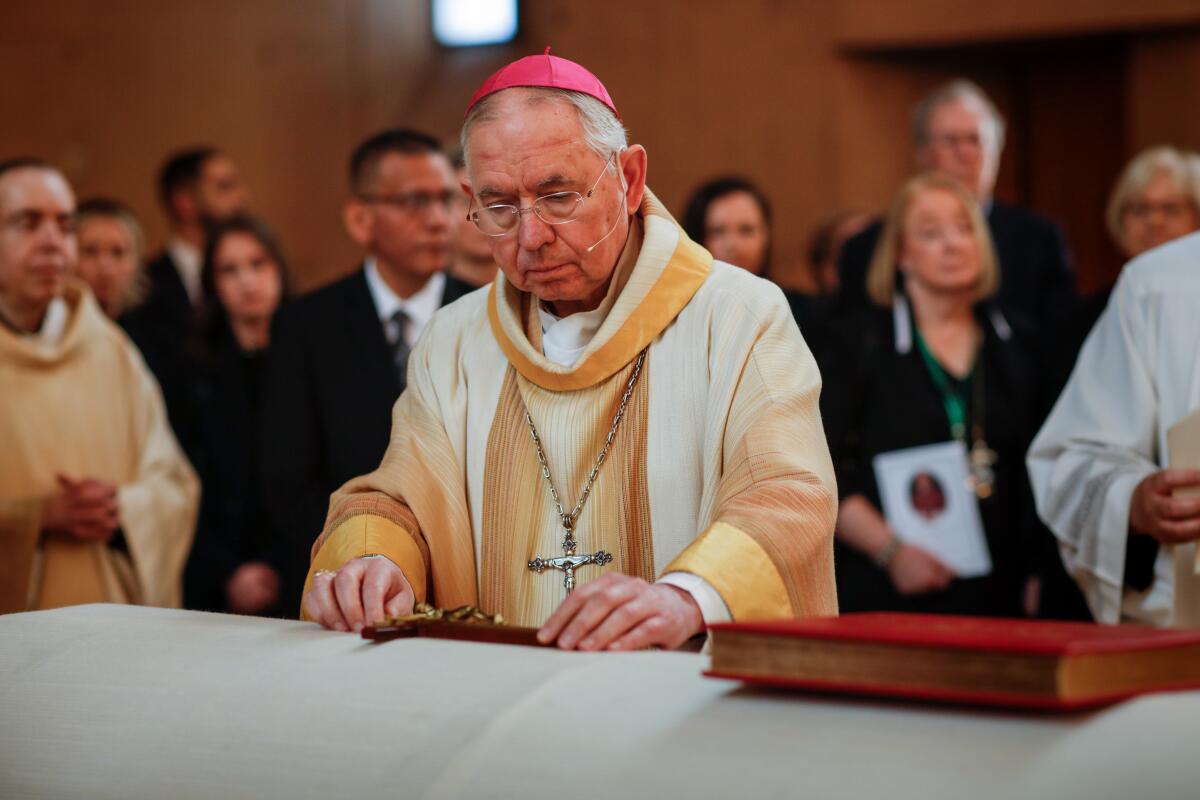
(420, 478)
(158, 506)
(768, 549)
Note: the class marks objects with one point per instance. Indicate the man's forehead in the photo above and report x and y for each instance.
(218, 165)
(397, 171)
(531, 164)
(35, 189)
(956, 114)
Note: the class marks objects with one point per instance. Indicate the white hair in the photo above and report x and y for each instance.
(960, 90)
(1182, 166)
(603, 133)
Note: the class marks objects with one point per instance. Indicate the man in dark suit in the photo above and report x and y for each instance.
(957, 130)
(197, 187)
(339, 355)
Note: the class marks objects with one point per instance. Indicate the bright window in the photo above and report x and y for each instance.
(461, 23)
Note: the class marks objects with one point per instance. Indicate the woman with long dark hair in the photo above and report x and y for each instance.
(233, 566)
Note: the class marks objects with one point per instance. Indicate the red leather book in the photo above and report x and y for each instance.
(970, 660)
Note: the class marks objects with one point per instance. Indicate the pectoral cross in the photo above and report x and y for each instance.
(569, 562)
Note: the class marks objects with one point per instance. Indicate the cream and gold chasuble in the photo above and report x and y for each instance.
(719, 467)
(87, 406)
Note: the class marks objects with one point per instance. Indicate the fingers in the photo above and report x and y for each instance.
(379, 583)
(1175, 508)
(347, 588)
(563, 614)
(587, 607)
(321, 605)
(621, 621)
(361, 593)
(1169, 480)
(652, 631)
(1178, 531)
(90, 490)
(400, 604)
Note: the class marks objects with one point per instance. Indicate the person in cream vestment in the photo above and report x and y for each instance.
(97, 501)
(611, 347)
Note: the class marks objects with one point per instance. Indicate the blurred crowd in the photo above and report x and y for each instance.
(174, 422)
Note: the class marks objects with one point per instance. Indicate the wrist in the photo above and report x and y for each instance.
(694, 613)
(883, 556)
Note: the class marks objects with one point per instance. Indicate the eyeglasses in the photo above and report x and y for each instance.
(1170, 209)
(952, 141)
(558, 208)
(416, 202)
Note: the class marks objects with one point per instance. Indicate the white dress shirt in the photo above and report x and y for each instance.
(419, 308)
(187, 260)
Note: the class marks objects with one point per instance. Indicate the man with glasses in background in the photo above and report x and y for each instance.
(619, 441)
(340, 354)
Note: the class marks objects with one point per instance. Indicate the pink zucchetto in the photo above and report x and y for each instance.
(546, 71)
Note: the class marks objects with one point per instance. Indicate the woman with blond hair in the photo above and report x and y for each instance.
(933, 360)
(111, 248)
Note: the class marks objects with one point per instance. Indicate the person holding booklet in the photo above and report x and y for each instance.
(934, 365)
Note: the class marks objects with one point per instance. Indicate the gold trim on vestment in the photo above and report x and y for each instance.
(739, 569)
(682, 276)
(369, 533)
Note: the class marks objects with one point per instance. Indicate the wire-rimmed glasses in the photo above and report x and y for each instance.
(557, 208)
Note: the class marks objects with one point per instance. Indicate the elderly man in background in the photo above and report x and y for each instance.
(1099, 466)
(958, 131)
(97, 503)
(619, 441)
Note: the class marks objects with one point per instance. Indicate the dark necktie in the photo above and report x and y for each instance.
(400, 348)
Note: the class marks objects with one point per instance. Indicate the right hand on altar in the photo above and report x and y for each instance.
(915, 571)
(85, 509)
(1155, 512)
(364, 591)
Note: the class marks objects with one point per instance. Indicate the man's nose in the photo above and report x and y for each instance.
(438, 214)
(532, 232)
(51, 236)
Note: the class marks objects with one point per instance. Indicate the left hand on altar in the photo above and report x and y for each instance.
(618, 612)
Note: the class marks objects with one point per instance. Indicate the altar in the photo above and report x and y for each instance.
(110, 701)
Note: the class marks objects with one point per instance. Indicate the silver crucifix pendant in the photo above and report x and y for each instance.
(569, 562)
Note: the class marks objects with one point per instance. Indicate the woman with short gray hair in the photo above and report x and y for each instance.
(1156, 199)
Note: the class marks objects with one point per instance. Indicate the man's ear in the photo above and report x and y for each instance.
(359, 220)
(632, 162)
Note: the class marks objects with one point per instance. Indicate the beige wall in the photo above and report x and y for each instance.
(808, 97)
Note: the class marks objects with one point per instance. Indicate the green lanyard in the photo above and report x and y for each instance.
(953, 399)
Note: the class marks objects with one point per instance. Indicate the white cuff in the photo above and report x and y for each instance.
(712, 605)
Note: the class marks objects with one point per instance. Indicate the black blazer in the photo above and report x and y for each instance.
(233, 528)
(1036, 276)
(165, 328)
(326, 407)
(876, 399)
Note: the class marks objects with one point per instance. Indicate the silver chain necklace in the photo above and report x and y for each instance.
(569, 561)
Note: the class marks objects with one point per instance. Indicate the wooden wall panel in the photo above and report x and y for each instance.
(767, 88)
(873, 24)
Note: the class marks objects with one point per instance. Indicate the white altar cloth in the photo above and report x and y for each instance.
(124, 702)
